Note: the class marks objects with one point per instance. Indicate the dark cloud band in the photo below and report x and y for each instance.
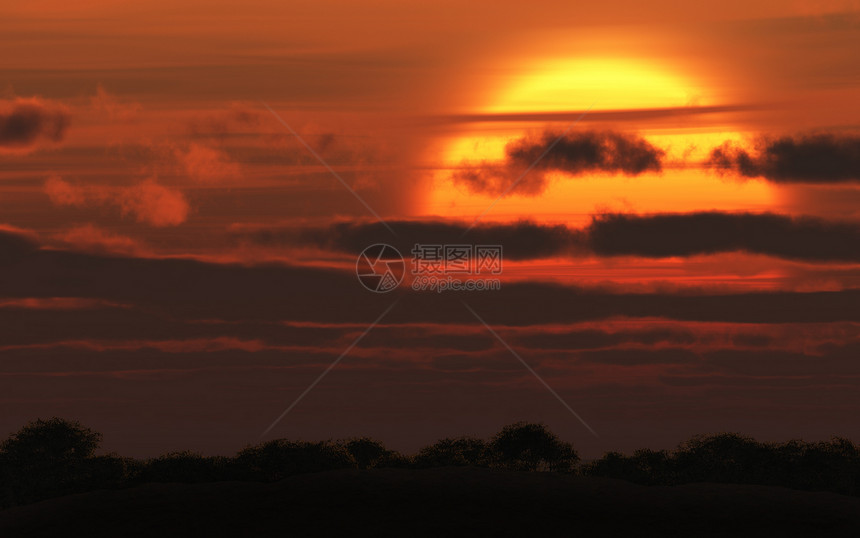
(650, 236)
(688, 234)
(188, 289)
(824, 158)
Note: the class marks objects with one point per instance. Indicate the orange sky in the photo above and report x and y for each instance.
(135, 140)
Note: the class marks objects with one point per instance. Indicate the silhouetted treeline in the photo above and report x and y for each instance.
(49, 458)
(832, 465)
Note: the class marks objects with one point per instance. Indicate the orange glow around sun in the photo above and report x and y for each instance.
(566, 85)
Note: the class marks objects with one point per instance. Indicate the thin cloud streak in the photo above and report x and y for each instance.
(622, 115)
(327, 370)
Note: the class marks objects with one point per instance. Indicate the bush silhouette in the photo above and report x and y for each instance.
(532, 447)
(832, 465)
(455, 452)
(184, 467)
(725, 457)
(644, 467)
(281, 458)
(733, 458)
(108, 471)
(366, 452)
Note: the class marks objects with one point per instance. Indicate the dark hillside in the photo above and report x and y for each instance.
(460, 501)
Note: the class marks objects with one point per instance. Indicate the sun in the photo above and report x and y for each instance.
(570, 85)
(603, 83)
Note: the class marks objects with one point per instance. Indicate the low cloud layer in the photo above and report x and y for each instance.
(25, 123)
(823, 158)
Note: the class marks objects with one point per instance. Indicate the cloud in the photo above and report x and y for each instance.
(63, 193)
(639, 357)
(26, 123)
(89, 238)
(689, 234)
(638, 115)
(192, 289)
(15, 242)
(106, 103)
(823, 158)
(589, 151)
(520, 240)
(592, 339)
(815, 159)
(56, 303)
(575, 153)
(498, 180)
(154, 204)
(239, 119)
(649, 236)
(207, 165)
(148, 201)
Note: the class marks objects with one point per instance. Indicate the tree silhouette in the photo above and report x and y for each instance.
(725, 457)
(454, 452)
(644, 467)
(53, 457)
(532, 447)
(365, 451)
(47, 458)
(830, 465)
(52, 440)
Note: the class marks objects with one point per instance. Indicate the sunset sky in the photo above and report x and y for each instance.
(185, 188)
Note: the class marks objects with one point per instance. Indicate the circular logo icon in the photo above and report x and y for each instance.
(380, 268)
